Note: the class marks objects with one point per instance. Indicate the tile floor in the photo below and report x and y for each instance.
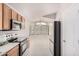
(39, 45)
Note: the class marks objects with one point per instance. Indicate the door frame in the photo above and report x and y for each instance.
(57, 38)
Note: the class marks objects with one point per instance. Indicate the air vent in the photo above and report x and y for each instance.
(51, 16)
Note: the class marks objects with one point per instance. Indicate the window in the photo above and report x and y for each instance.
(39, 28)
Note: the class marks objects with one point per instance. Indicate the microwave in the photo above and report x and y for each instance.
(15, 25)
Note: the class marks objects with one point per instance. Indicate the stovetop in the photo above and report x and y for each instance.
(19, 39)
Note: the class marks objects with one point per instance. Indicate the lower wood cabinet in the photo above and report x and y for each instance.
(14, 51)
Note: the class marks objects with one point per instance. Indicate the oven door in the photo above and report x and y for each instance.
(24, 46)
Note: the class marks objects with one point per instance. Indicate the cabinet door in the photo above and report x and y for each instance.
(23, 23)
(6, 17)
(23, 19)
(0, 16)
(14, 52)
(14, 15)
(19, 18)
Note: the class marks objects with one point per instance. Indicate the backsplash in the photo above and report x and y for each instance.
(14, 33)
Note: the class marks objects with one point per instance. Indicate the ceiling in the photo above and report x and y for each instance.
(33, 11)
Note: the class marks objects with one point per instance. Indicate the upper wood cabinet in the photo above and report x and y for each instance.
(6, 17)
(23, 19)
(23, 23)
(14, 15)
(6, 14)
(0, 16)
(19, 18)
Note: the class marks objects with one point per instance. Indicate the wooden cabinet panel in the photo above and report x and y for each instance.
(19, 18)
(23, 23)
(6, 17)
(23, 19)
(0, 16)
(14, 52)
(14, 15)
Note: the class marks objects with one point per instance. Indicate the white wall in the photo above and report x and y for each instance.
(70, 29)
(51, 31)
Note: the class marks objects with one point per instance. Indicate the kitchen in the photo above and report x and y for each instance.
(18, 34)
(39, 29)
(12, 25)
(29, 31)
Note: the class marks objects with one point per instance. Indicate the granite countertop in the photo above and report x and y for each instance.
(5, 48)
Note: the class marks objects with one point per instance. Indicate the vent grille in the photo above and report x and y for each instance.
(51, 16)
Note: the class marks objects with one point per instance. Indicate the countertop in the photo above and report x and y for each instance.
(22, 38)
(5, 48)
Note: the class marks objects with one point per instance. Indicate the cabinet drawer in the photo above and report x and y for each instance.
(14, 51)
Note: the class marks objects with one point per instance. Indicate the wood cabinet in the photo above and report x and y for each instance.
(23, 19)
(14, 51)
(0, 16)
(6, 14)
(19, 18)
(14, 15)
(23, 23)
(6, 17)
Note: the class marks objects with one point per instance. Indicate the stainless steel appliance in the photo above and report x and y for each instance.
(24, 45)
(15, 25)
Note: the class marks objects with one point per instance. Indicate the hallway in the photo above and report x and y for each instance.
(39, 45)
